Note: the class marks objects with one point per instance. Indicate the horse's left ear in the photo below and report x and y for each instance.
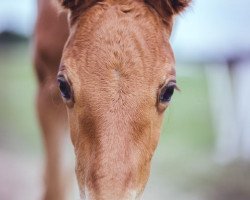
(169, 7)
(179, 6)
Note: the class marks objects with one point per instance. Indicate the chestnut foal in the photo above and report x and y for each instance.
(116, 75)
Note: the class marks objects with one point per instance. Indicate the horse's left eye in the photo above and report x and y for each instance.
(166, 93)
(64, 88)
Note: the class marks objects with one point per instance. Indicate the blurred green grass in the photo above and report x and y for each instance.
(18, 122)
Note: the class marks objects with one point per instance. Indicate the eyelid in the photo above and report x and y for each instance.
(169, 83)
(173, 83)
(62, 75)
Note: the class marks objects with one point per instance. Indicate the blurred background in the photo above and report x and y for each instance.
(204, 150)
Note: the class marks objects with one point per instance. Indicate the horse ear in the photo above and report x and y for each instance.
(75, 4)
(70, 4)
(169, 7)
(179, 5)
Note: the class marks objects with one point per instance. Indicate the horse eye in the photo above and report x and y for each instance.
(64, 87)
(166, 93)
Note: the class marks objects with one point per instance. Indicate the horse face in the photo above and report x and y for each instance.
(116, 77)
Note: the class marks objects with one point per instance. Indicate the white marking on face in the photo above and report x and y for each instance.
(132, 195)
(117, 74)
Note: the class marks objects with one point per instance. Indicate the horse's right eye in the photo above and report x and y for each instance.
(65, 88)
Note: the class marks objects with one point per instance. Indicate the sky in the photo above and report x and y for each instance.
(208, 27)
(213, 27)
(17, 15)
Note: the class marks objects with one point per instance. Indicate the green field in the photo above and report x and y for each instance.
(183, 165)
(17, 91)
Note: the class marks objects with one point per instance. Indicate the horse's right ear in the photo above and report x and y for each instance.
(76, 4)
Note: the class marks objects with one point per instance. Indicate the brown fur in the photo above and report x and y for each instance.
(116, 59)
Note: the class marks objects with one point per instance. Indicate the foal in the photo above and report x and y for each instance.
(116, 76)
